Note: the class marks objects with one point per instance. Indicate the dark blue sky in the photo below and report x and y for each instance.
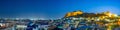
(54, 8)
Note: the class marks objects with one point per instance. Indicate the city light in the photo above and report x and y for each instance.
(59, 14)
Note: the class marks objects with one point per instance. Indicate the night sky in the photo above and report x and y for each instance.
(53, 9)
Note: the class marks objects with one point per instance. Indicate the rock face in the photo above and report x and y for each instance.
(69, 14)
(82, 14)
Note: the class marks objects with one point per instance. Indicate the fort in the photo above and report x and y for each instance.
(102, 15)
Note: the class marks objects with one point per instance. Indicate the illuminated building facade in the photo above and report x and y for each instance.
(107, 19)
(101, 16)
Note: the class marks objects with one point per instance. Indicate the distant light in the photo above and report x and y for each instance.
(109, 14)
(17, 18)
(115, 15)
